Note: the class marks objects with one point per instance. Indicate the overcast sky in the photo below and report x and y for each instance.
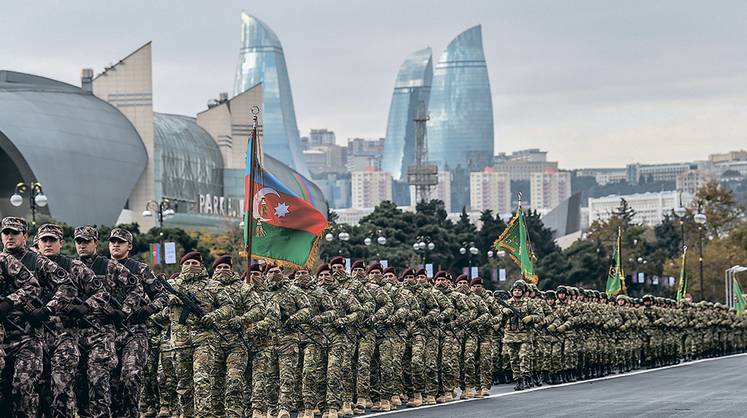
(595, 83)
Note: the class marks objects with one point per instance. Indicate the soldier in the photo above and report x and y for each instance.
(57, 293)
(313, 340)
(63, 354)
(346, 308)
(192, 337)
(294, 310)
(167, 397)
(20, 352)
(517, 336)
(239, 307)
(132, 350)
(453, 318)
(484, 331)
(423, 341)
(501, 362)
(337, 265)
(97, 343)
(468, 336)
(261, 368)
(368, 386)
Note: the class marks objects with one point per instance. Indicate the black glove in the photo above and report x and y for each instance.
(5, 307)
(142, 314)
(38, 316)
(117, 317)
(78, 311)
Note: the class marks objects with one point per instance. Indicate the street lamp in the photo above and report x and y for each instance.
(700, 219)
(680, 212)
(37, 198)
(162, 209)
(381, 240)
(423, 244)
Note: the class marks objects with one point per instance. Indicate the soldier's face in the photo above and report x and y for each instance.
(191, 266)
(442, 282)
(338, 268)
(222, 268)
(358, 272)
(561, 296)
(255, 277)
(50, 246)
(325, 278)
(550, 301)
(422, 278)
(620, 302)
(478, 289)
(119, 249)
(390, 277)
(410, 280)
(13, 239)
(85, 248)
(517, 293)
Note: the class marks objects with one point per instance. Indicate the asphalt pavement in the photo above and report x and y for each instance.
(704, 388)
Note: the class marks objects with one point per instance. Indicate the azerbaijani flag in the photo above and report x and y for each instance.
(740, 303)
(284, 225)
(155, 254)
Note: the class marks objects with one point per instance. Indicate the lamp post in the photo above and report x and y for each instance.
(343, 236)
(472, 250)
(700, 219)
(162, 209)
(423, 245)
(680, 212)
(380, 241)
(37, 198)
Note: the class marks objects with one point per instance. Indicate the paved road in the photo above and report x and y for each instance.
(710, 388)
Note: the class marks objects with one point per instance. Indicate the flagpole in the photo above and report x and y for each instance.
(252, 172)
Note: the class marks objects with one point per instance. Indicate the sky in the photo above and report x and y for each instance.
(595, 83)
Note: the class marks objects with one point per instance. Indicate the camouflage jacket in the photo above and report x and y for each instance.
(57, 288)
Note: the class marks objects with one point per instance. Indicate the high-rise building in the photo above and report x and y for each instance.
(321, 137)
(369, 188)
(364, 154)
(411, 90)
(547, 190)
(491, 190)
(261, 60)
(520, 165)
(460, 130)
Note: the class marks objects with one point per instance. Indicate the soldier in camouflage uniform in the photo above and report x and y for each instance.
(132, 350)
(313, 340)
(517, 336)
(294, 310)
(346, 311)
(166, 372)
(193, 338)
(337, 264)
(368, 386)
(20, 352)
(43, 313)
(239, 308)
(486, 343)
(453, 319)
(97, 343)
(501, 363)
(423, 342)
(470, 340)
(63, 355)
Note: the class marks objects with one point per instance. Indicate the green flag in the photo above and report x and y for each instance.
(515, 241)
(616, 276)
(741, 303)
(682, 285)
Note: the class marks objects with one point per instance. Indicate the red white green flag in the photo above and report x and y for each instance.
(284, 226)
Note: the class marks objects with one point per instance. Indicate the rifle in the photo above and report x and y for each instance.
(283, 323)
(190, 305)
(83, 319)
(516, 316)
(118, 306)
(12, 323)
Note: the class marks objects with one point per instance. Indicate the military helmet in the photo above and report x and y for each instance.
(520, 284)
(604, 295)
(562, 289)
(595, 293)
(549, 294)
(649, 298)
(500, 293)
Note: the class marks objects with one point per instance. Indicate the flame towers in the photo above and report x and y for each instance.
(460, 130)
(261, 60)
(411, 88)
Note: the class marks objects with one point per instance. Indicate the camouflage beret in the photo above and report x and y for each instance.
(121, 234)
(49, 230)
(87, 232)
(14, 224)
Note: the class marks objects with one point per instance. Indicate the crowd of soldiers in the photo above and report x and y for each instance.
(98, 337)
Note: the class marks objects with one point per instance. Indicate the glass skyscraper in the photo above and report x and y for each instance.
(411, 88)
(460, 130)
(261, 60)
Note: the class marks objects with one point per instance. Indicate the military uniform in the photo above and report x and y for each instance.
(518, 334)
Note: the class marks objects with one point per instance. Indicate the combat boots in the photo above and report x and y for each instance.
(396, 401)
(376, 406)
(519, 384)
(307, 413)
(283, 413)
(417, 400)
(386, 406)
(164, 412)
(360, 406)
(332, 413)
(430, 400)
(468, 393)
(347, 410)
(258, 414)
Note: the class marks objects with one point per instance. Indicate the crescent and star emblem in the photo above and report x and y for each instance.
(281, 210)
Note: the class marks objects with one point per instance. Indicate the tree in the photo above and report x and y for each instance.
(721, 210)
